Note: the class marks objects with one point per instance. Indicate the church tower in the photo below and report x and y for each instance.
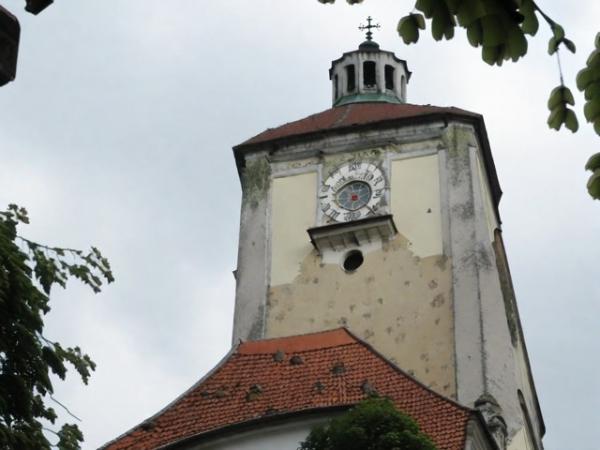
(382, 217)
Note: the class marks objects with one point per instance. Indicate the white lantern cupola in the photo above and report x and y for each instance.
(368, 74)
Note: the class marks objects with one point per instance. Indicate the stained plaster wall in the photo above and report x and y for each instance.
(399, 299)
(488, 360)
(440, 316)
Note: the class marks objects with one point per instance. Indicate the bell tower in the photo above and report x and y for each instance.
(382, 217)
(368, 74)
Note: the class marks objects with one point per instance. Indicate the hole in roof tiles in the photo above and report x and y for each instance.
(338, 368)
(296, 360)
(204, 394)
(147, 426)
(368, 388)
(319, 387)
(253, 392)
(278, 356)
(219, 393)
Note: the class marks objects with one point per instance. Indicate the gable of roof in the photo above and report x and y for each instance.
(265, 379)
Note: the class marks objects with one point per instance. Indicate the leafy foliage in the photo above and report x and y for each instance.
(374, 424)
(593, 184)
(560, 113)
(27, 358)
(500, 28)
(588, 82)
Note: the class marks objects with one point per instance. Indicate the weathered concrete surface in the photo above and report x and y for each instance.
(251, 273)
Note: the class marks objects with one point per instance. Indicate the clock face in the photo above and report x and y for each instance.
(353, 191)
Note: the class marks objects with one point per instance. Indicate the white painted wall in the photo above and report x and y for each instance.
(294, 206)
(415, 203)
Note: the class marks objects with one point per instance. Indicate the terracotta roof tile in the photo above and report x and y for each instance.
(353, 114)
(296, 374)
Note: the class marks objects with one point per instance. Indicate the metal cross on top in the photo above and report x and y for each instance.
(368, 27)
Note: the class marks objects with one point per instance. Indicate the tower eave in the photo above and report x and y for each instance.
(392, 54)
(370, 115)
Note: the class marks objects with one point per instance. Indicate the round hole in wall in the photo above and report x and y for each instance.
(353, 260)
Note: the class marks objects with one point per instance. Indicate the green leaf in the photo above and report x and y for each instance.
(592, 90)
(555, 98)
(557, 118)
(591, 111)
(475, 34)
(490, 54)
(517, 43)
(553, 45)
(570, 45)
(426, 7)
(593, 61)
(567, 96)
(584, 77)
(469, 11)
(530, 22)
(558, 32)
(442, 25)
(593, 163)
(453, 5)
(494, 32)
(571, 121)
(419, 20)
(407, 29)
(593, 185)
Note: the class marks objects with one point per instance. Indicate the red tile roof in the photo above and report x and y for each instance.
(354, 114)
(296, 374)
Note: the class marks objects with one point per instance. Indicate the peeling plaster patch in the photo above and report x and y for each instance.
(339, 300)
(438, 301)
(441, 262)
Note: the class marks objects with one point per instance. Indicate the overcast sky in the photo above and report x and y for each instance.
(118, 133)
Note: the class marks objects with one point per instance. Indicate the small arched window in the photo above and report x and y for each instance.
(389, 77)
(336, 88)
(369, 74)
(350, 78)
